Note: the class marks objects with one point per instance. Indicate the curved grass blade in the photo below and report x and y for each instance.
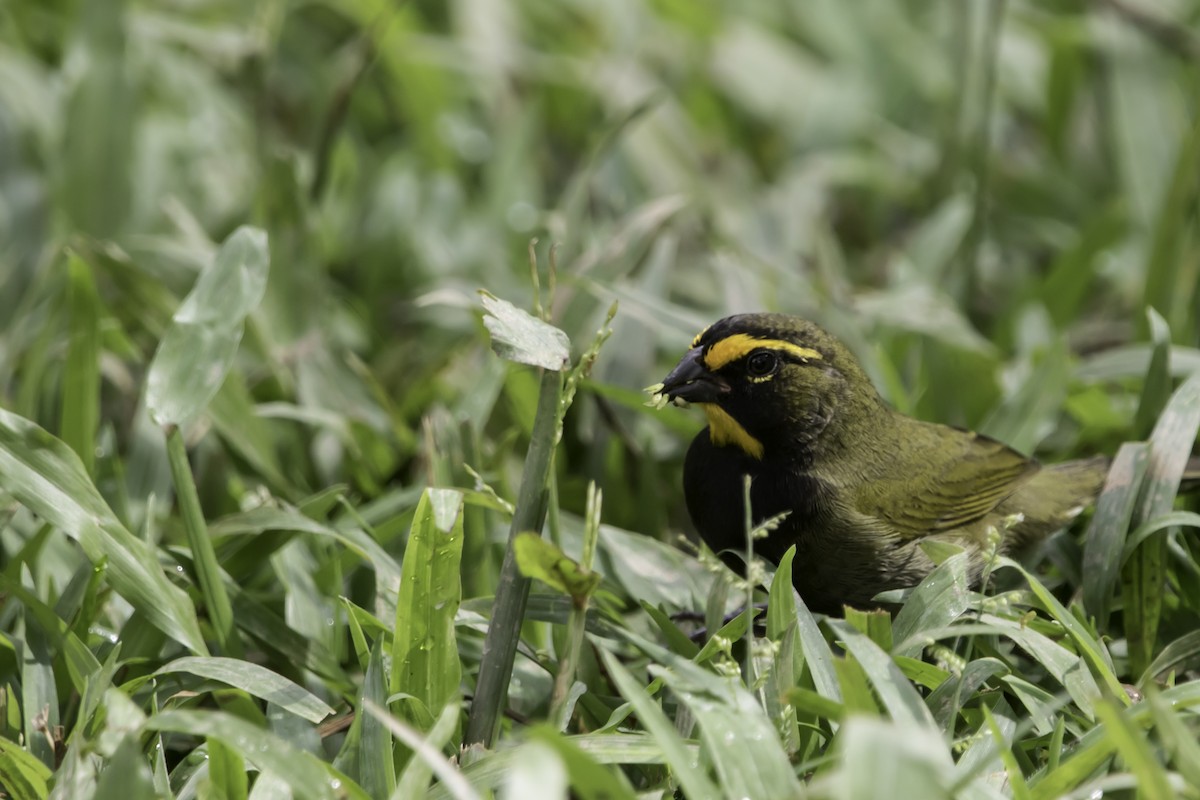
(255, 680)
(48, 478)
(694, 782)
(1107, 531)
(306, 775)
(897, 694)
(427, 750)
(1144, 574)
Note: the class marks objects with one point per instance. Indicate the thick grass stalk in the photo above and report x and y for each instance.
(204, 557)
(512, 591)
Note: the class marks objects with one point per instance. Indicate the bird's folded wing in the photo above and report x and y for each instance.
(971, 477)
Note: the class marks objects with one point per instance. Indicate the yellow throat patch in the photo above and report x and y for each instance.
(724, 430)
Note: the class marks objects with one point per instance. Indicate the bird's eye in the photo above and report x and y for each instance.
(762, 363)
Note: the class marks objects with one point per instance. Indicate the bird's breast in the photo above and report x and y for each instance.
(714, 487)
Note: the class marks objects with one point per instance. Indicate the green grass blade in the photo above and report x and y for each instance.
(1016, 778)
(1064, 666)
(285, 518)
(1096, 656)
(39, 694)
(127, 776)
(306, 775)
(425, 661)
(1156, 387)
(1107, 531)
(46, 476)
(738, 738)
(226, 771)
(897, 694)
(23, 776)
(589, 779)
(1173, 231)
(1182, 651)
(817, 654)
(887, 758)
(414, 780)
(1135, 751)
(1172, 519)
(204, 557)
(1144, 574)
(694, 782)
(376, 770)
(81, 663)
(1176, 738)
(946, 701)
(941, 598)
(80, 414)
(95, 177)
(256, 680)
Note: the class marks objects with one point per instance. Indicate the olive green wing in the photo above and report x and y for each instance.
(970, 474)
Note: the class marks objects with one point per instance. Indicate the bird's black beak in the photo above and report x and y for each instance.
(691, 380)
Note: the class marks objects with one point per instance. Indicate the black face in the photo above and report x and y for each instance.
(772, 374)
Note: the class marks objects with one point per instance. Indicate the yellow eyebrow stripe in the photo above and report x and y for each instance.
(731, 348)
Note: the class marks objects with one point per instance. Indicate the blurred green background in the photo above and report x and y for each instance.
(982, 198)
(968, 192)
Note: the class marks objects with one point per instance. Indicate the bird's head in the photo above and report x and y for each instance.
(771, 383)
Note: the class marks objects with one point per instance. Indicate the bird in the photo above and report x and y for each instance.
(862, 485)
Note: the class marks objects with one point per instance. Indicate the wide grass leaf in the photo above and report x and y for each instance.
(1096, 656)
(285, 518)
(519, 336)
(589, 779)
(306, 775)
(256, 680)
(893, 688)
(942, 597)
(884, 758)
(197, 349)
(1067, 668)
(48, 478)
(127, 776)
(425, 661)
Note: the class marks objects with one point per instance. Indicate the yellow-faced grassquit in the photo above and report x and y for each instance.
(862, 484)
